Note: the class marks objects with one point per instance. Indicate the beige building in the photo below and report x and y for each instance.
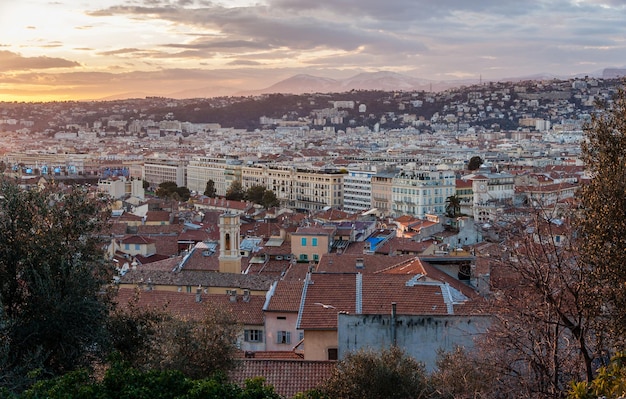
(421, 192)
(310, 243)
(381, 192)
(297, 188)
(158, 170)
(222, 170)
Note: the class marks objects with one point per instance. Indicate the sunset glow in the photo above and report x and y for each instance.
(77, 49)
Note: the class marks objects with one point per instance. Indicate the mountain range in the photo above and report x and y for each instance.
(382, 80)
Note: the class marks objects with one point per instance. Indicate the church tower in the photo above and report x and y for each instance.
(230, 257)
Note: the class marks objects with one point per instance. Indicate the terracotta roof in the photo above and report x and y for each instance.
(288, 377)
(433, 294)
(335, 290)
(313, 230)
(399, 244)
(157, 216)
(184, 304)
(195, 278)
(286, 297)
(137, 239)
(347, 262)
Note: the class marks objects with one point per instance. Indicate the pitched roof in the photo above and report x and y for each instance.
(195, 278)
(347, 262)
(286, 297)
(288, 377)
(185, 305)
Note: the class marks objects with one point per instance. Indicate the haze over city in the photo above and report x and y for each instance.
(77, 49)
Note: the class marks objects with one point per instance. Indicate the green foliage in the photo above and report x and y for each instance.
(609, 383)
(262, 196)
(235, 192)
(121, 381)
(75, 384)
(367, 374)
(52, 272)
(474, 163)
(132, 330)
(255, 194)
(156, 340)
(453, 206)
(210, 190)
(270, 199)
(170, 190)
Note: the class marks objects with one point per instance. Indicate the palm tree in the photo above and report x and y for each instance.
(453, 206)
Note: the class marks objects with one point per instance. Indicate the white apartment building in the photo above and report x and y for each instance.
(297, 188)
(357, 191)
(421, 192)
(222, 170)
(122, 187)
(157, 170)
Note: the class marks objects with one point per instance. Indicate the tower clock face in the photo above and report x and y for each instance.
(482, 186)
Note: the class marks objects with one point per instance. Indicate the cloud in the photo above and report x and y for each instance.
(10, 61)
(244, 62)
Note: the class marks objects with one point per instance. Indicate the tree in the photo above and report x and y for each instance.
(542, 335)
(609, 383)
(183, 193)
(453, 206)
(209, 190)
(255, 194)
(462, 374)
(269, 199)
(166, 189)
(602, 222)
(474, 163)
(235, 192)
(197, 348)
(366, 374)
(53, 306)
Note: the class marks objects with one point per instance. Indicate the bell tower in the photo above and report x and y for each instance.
(230, 257)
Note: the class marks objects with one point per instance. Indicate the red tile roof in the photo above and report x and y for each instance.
(184, 304)
(288, 377)
(286, 297)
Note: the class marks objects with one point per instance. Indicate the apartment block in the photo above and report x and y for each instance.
(357, 188)
(222, 170)
(159, 170)
(421, 192)
(297, 188)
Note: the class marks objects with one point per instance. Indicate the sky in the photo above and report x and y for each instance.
(58, 50)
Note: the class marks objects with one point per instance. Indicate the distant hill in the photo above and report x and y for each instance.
(383, 80)
(613, 73)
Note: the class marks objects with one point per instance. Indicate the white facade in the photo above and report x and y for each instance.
(421, 192)
(357, 191)
(157, 171)
(223, 171)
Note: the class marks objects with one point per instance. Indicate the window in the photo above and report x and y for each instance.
(137, 247)
(304, 256)
(281, 317)
(253, 335)
(303, 242)
(283, 337)
(126, 246)
(316, 257)
(332, 354)
(314, 242)
(300, 335)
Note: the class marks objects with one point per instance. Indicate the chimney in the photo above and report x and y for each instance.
(246, 295)
(232, 295)
(360, 263)
(199, 294)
